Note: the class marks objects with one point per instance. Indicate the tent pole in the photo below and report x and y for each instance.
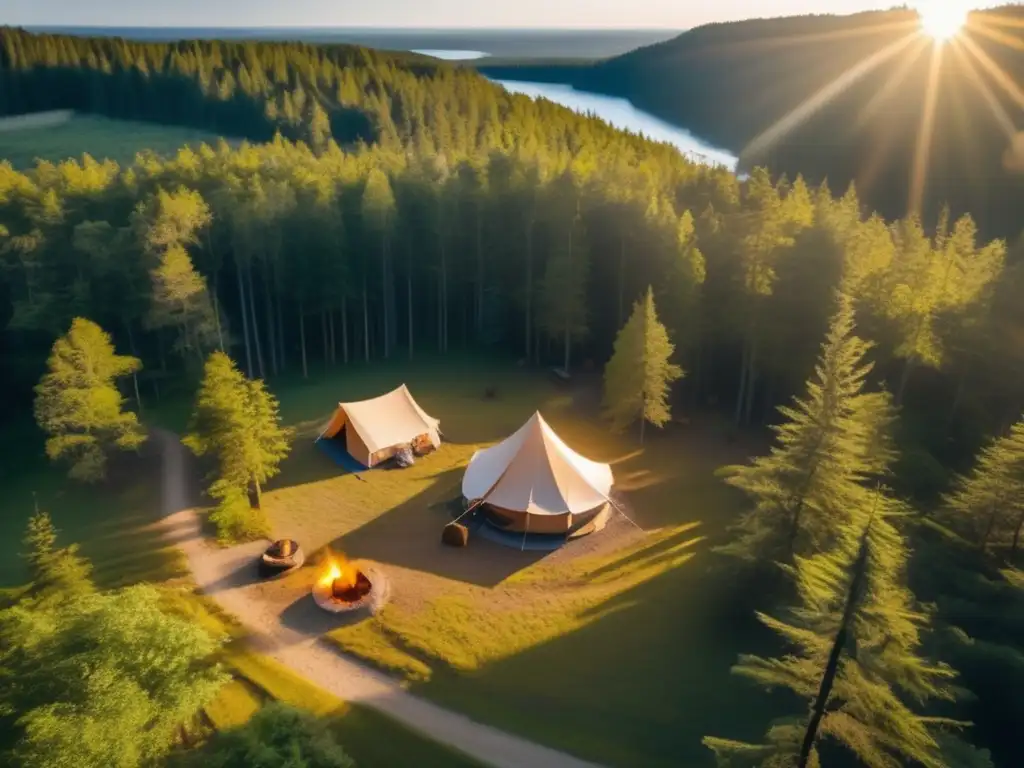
(469, 509)
(526, 531)
(622, 512)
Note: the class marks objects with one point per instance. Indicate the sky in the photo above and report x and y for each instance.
(672, 14)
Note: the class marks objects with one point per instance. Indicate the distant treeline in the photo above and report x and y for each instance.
(729, 83)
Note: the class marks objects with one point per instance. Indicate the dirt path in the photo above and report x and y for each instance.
(226, 575)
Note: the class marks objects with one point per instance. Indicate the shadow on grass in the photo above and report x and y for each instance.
(307, 618)
(640, 684)
(410, 536)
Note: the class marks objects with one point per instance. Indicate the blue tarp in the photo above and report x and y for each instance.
(336, 450)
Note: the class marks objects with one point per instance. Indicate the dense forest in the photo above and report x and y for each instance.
(388, 207)
(868, 74)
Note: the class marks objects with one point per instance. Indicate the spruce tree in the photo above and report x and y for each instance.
(237, 421)
(991, 497)
(853, 653)
(639, 374)
(835, 437)
(55, 571)
(78, 403)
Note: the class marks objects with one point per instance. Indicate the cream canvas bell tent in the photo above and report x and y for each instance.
(532, 482)
(374, 430)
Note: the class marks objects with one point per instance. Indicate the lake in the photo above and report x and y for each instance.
(451, 54)
(622, 114)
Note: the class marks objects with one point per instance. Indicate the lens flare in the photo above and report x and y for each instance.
(942, 20)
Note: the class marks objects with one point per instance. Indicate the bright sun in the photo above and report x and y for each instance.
(942, 20)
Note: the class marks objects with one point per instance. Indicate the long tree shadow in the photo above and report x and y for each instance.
(641, 682)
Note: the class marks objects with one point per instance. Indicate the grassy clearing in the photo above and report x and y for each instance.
(114, 521)
(100, 137)
(115, 525)
(617, 649)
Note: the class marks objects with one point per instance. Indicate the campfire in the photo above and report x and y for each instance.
(342, 586)
(346, 582)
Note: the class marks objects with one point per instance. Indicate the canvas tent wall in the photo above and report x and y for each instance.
(375, 429)
(532, 482)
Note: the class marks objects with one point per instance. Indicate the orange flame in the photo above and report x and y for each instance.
(339, 570)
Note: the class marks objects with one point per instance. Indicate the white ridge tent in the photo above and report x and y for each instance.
(375, 429)
(534, 483)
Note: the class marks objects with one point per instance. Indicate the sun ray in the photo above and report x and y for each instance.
(923, 150)
(998, 111)
(1003, 80)
(998, 36)
(823, 96)
(895, 80)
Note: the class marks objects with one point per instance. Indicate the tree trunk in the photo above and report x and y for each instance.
(908, 368)
(245, 319)
(748, 409)
(742, 394)
(408, 309)
(216, 314)
(302, 338)
(344, 330)
(643, 422)
(281, 357)
(384, 295)
(366, 322)
(479, 274)
(255, 325)
(330, 330)
(622, 279)
(325, 337)
(269, 311)
(1016, 535)
(529, 284)
(832, 666)
(135, 375)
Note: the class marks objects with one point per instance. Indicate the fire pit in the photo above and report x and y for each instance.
(281, 557)
(343, 586)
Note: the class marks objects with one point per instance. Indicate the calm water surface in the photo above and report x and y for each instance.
(622, 114)
(451, 55)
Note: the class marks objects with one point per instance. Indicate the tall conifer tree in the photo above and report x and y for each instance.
(834, 438)
(78, 403)
(991, 497)
(237, 421)
(854, 655)
(638, 377)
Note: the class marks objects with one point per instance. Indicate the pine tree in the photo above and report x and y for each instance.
(835, 437)
(237, 421)
(55, 571)
(991, 497)
(854, 654)
(638, 376)
(180, 300)
(78, 404)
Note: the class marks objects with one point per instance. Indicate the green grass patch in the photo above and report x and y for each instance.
(100, 137)
(114, 522)
(621, 656)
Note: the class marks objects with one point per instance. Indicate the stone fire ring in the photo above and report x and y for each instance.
(373, 601)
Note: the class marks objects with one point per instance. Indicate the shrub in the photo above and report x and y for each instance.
(236, 521)
(278, 735)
